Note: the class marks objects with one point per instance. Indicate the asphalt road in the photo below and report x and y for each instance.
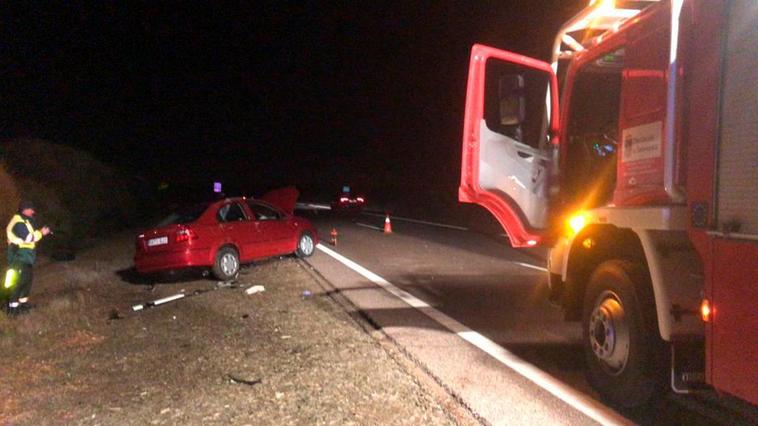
(474, 313)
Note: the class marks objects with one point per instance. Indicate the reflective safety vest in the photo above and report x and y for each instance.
(31, 239)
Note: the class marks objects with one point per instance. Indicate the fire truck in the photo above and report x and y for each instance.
(633, 157)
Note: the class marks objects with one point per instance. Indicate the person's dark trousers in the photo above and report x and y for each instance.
(24, 282)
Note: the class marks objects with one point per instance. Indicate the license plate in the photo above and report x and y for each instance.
(157, 241)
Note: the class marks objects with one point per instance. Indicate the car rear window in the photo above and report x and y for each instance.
(184, 215)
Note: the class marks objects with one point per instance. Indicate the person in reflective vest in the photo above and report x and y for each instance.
(22, 244)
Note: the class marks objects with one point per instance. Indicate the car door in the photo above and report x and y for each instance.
(510, 139)
(274, 227)
(236, 229)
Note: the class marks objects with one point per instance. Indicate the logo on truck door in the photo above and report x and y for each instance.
(642, 142)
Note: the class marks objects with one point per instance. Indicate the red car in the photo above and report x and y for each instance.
(223, 234)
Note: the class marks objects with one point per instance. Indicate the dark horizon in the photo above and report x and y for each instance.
(294, 92)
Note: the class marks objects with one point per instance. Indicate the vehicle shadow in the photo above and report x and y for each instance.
(131, 276)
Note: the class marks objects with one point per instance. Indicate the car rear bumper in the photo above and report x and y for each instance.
(168, 260)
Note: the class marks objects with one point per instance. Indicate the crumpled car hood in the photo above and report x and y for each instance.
(282, 198)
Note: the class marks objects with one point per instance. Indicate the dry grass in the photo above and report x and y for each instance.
(8, 195)
(73, 363)
(76, 194)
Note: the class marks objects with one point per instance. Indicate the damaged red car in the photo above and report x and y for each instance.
(223, 234)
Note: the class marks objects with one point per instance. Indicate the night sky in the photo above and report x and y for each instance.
(283, 92)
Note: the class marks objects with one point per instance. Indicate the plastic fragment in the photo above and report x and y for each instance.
(255, 289)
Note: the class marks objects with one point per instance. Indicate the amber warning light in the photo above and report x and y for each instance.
(705, 310)
(576, 223)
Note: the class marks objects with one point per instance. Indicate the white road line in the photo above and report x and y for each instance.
(583, 403)
(423, 222)
(369, 226)
(530, 266)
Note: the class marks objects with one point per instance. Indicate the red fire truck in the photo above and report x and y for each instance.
(633, 156)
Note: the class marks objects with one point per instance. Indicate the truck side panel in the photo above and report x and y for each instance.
(733, 282)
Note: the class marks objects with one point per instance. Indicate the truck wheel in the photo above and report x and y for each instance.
(305, 245)
(624, 352)
(227, 264)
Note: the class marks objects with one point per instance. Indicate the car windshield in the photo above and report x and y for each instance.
(187, 214)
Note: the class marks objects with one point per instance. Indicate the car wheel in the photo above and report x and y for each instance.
(305, 245)
(623, 349)
(227, 264)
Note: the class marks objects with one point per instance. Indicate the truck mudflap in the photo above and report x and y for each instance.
(676, 273)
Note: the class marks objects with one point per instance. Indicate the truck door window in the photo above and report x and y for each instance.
(514, 103)
(590, 172)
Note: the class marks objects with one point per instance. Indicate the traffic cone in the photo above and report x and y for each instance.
(387, 225)
(333, 235)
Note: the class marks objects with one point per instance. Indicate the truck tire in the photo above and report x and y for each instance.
(226, 267)
(626, 359)
(305, 245)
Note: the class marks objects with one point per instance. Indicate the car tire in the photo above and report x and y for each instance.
(625, 355)
(305, 245)
(226, 267)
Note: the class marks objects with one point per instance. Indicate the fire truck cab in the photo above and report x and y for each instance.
(632, 155)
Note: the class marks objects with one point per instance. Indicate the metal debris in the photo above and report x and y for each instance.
(237, 380)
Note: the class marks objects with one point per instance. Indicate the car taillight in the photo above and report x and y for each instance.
(344, 200)
(360, 199)
(185, 233)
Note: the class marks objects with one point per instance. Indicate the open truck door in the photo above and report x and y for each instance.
(510, 137)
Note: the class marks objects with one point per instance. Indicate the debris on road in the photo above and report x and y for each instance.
(182, 294)
(157, 302)
(255, 289)
(237, 380)
(225, 284)
(307, 294)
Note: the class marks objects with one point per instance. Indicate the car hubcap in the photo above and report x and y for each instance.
(306, 245)
(609, 333)
(229, 264)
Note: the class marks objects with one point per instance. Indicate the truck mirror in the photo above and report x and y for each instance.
(511, 99)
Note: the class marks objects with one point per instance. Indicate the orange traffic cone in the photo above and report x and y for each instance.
(333, 234)
(387, 225)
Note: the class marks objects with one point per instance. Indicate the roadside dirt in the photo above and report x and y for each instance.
(82, 356)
